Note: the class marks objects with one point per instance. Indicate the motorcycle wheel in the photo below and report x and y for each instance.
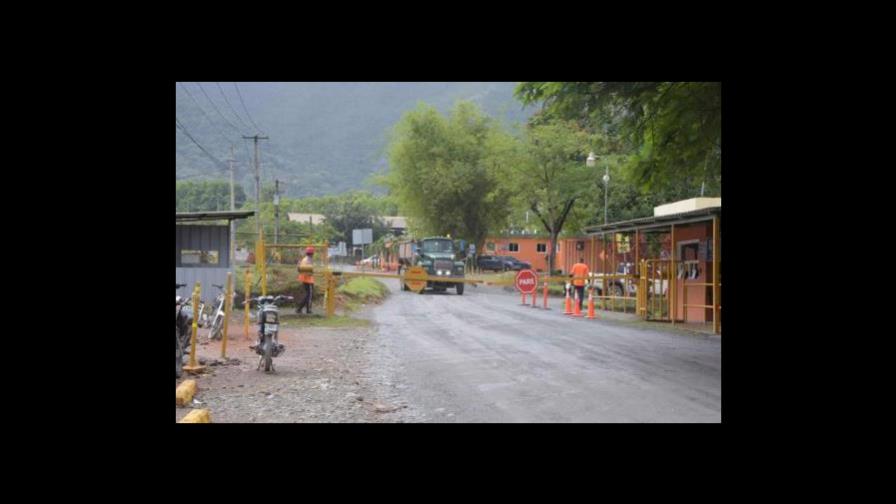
(214, 332)
(179, 355)
(268, 348)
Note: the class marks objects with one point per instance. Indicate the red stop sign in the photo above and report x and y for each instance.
(526, 281)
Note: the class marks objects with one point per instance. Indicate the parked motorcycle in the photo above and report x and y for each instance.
(215, 328)
(268, 318)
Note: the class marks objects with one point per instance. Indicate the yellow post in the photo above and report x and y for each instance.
(673, 274)
(194, 367)
(715, 274)
(228, 301)
(331, 294)
(246, 284)
(264, 276)
(196, 315)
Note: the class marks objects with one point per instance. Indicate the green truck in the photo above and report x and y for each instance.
(437, 255)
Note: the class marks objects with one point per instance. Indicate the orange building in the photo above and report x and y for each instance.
(534, 250)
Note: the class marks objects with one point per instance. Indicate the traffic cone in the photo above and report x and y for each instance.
(578, 312)
(568, 310)
(546, 295)
(591, 303)
(535, 297)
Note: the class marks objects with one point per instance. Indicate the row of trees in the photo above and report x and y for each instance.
(464, 174)
(343, 212)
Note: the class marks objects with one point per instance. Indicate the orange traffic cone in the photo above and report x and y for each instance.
(568, 310)
(578, 307)
(591, 303)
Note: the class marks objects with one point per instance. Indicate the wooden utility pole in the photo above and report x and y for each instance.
(276, 210)
(256, 138)
(232, 208)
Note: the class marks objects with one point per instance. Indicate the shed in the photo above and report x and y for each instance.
(202, 249)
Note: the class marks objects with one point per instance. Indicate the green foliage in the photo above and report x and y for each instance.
(448, 174)
(343, 212)
(550, 175)
(364, 289)
(671, 129)
(206, 195)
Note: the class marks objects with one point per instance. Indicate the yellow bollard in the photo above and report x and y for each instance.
(184, 393)
(197, 416)
(263, 263)
(331, 294)
(246, 283)
(194, 367)
(228, 300)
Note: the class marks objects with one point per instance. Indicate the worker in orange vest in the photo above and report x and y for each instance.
(307, 280)
(579, 269)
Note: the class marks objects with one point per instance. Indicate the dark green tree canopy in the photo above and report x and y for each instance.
(672, 129)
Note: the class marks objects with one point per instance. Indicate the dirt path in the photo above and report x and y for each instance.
(324, 376)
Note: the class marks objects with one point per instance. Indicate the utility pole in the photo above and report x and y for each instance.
(276, 210)
(256, 138)
(232, 208)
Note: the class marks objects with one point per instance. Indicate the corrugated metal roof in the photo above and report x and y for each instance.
(211, 216)
(658, 221)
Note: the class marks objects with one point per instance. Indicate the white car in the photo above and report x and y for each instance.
(617, 285)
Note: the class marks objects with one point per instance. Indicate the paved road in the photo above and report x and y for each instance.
(482, 357)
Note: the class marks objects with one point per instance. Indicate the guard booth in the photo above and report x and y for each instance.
(670, 263)
(203, 249)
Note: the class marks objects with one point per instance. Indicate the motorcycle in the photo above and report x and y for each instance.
(217, 324)
(268, 345)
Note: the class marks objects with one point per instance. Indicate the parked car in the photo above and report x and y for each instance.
(489, 263)
(515, 264)
(616, 285)
(501, 263)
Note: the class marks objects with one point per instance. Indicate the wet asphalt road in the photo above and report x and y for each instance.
(482, 357)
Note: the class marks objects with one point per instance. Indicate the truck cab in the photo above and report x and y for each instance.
(438, 256)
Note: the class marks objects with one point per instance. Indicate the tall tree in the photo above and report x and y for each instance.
(552, 175)
(673, 129)
(448, 174)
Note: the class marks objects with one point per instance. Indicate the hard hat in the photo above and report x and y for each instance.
(309, 251)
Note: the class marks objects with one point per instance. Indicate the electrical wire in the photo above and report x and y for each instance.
(245, 109)
(231, 107)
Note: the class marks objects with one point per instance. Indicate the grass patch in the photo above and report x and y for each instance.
(360, 291)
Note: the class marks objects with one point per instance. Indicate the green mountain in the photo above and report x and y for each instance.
(325, 138)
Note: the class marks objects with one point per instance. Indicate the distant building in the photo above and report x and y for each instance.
(398, 224)
(314, 218)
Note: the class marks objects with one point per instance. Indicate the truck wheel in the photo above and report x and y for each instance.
(460, 289)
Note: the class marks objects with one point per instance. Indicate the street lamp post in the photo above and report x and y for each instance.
(591, 162)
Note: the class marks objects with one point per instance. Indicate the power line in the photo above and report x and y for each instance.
(207, 153)
(216, 109)
(204, 114)
(245, 109)
(230, 106)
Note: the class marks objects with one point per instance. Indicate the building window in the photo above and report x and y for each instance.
(199, 257)
(541, 247)
(514, 247)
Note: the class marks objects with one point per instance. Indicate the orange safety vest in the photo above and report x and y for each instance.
(579, 270)
(306, 277)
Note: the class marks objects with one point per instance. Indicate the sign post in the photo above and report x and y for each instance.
(415, 278)
(526, 282)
